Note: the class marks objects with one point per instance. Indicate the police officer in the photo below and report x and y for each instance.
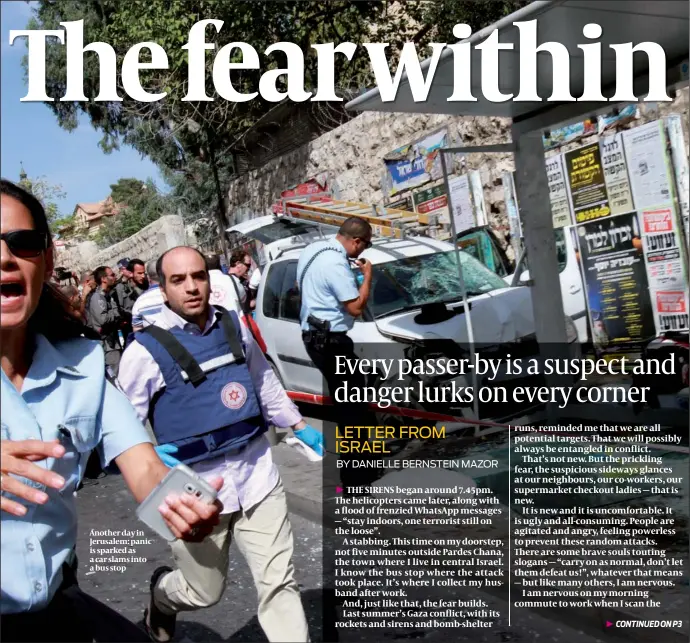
(209, 392)
(331, 300)
(122, 287)
(132, 283)
(105, 317)
(56, 407)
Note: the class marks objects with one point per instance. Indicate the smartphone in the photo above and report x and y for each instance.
(180, 480)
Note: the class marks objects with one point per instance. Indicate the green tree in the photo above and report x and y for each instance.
(440, 16)
(196, 138)
(127, 191)
(65, 227)
(46, 192)
(175, 132)
(138, 204)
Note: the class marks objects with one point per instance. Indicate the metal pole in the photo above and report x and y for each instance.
(461, 277)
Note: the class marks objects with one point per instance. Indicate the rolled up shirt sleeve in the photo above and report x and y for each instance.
(137, 318)
(277, 407)
(121, 429)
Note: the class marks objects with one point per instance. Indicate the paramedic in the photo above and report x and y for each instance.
(210, 394)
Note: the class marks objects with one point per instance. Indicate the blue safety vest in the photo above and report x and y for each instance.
(209, 405)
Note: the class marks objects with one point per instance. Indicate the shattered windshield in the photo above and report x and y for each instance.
(414, 281)
(282, 230)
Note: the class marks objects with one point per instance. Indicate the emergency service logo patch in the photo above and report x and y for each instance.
(233, 395)
(216, 296)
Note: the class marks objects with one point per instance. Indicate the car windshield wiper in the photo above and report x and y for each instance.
(457, 299)
(402, 309)
(395, 311)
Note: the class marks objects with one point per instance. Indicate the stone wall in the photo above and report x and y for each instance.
(147, 244)
(350, 158)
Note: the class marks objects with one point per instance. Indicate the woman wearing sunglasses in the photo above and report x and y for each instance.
(56, 407)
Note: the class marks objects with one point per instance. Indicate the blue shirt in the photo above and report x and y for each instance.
(327, 284)
(65, 396)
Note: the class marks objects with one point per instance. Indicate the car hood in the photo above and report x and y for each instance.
(500, 316)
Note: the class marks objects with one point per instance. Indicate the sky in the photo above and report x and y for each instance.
(30, 135)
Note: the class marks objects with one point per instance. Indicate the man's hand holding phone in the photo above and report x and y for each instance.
(190, 518)
(183, 505)
(365, 267)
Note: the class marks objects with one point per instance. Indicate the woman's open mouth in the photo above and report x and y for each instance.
(11, 293)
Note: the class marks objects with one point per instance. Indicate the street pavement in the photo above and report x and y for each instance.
(107, 504)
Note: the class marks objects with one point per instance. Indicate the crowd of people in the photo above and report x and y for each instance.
(86, 362)
(110, 303)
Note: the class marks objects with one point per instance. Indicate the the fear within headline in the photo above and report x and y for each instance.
(284, 63)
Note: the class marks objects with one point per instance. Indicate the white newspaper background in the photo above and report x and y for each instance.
(461, 200)
(645, 150)
(674, 127)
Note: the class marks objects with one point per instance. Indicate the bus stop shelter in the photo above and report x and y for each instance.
(662, 21)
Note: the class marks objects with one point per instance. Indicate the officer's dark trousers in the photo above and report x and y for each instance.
(324, 351)
(72, 615)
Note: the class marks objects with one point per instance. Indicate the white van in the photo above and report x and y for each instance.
(271, 234)
(483, 245)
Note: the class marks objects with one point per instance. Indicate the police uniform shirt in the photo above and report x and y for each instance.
(327, 284)
(64, 397)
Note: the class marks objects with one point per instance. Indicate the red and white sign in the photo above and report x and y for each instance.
(657, 220)
(435, 204)
(233, 395)
(671, 302)
(312, 186)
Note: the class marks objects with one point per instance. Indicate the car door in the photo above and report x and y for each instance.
(572, 290)
(483, 245)
(278, 319)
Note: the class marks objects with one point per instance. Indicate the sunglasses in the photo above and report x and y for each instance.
(367, 243)
(25, 243)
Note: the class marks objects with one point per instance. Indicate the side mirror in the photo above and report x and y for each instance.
(525, 279)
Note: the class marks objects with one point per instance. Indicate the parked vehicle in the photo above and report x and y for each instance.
(482, 243)
(415, 298)
(271, 234)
